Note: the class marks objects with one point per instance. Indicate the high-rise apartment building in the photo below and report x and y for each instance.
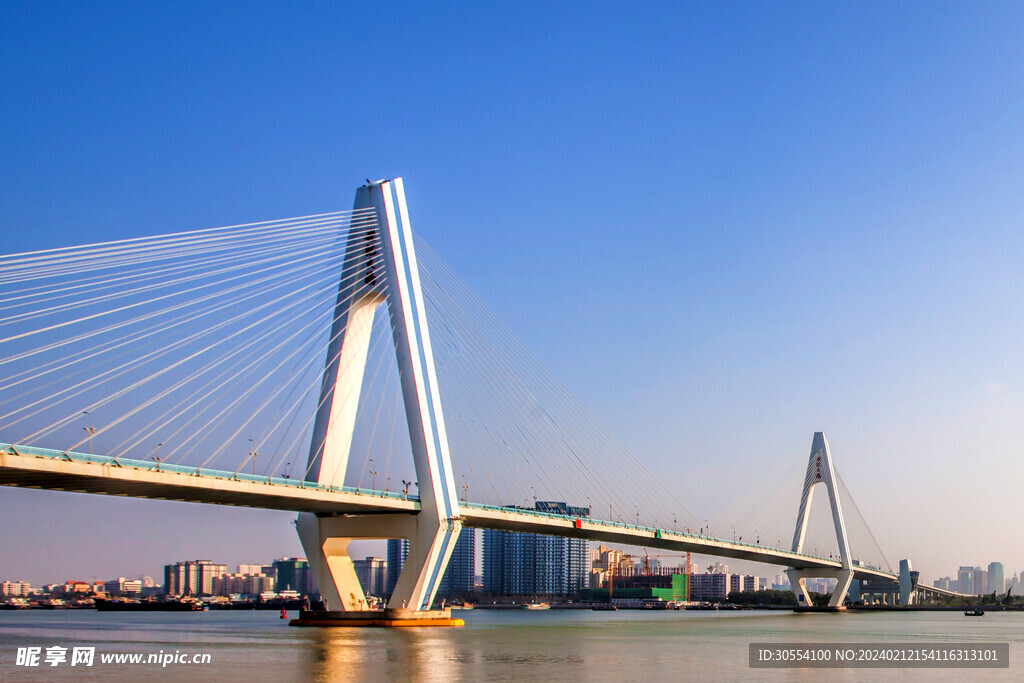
(533, 564)
(980, 581)
(493, 551)
(293, 574)
(965, 580)
(372, 574)
(398, 550)
(996, 582)
(457, 580)
(194, 577)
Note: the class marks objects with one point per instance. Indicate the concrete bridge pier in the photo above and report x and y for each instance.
(797, 577)
(326, 541)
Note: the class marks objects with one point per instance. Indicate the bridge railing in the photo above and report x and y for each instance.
(106, 460)
(656, 531)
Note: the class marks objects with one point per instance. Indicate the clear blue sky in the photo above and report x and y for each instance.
(724, 225)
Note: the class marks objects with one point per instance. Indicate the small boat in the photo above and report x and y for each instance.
(975, 612)
(537, 605)
(15, 603)
(464, 605)
(279, 603)
(128, 605)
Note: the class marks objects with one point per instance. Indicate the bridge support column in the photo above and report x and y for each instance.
(854, 593)
(797, 577)
(821, 471)
(796, 582)
(906, 583)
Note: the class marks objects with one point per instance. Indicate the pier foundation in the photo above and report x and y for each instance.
(388, 618)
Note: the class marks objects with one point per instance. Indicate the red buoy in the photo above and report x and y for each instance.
(284, 614)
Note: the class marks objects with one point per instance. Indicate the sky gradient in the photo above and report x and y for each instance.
(723, 225)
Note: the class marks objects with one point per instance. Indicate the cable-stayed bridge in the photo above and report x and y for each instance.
(333, 365)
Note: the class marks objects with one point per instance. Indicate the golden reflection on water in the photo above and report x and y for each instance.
(343, 654)
(619, 646)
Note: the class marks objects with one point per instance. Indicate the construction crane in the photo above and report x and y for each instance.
(689, 572)
(611, 580)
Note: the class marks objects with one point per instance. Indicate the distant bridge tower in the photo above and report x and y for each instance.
(907, 583)
(821, 471)
(380, 269)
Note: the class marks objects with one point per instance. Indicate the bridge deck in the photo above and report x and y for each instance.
(46, 469)
(78, 472)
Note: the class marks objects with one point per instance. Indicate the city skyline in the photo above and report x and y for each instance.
(494, 561)
(811, 252)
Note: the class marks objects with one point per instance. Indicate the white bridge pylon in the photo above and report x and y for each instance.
(821, 471)
(380, 269)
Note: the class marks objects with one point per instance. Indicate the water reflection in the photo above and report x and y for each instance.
(494, 645)
(402, 654)
(478, 651)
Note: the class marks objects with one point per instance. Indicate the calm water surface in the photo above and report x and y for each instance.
(494, 645)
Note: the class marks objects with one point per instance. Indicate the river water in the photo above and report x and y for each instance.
(493, 645)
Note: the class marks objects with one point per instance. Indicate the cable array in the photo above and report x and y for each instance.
(208, 349)
(203, 348)
(517, 434)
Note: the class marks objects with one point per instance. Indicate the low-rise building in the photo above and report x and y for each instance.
(242, 584)
(72, 587)
(738, 583)
(642, 588)
(15, 589)
(713, 587)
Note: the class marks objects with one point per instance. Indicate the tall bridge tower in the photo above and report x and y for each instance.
(821, 471)
(380, 268)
